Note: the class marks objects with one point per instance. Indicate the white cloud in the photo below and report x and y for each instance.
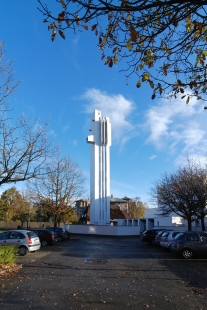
(178, 126)
(52, 133)
(117, 108)
(153, 157)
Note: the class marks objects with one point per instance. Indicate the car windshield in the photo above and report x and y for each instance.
(165, 234)
(31, 234)
(179, 235)
(160, 233)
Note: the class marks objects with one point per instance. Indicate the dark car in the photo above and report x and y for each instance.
(149, 235)
(62, 234)
(189, 243)
(46, 236)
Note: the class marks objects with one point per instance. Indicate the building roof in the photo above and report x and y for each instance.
(117, 200)
(116, 213)
(126, 198)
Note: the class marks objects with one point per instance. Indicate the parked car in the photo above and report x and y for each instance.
(190, 243)
(159, 236)
(167, 238)
(27, 241)
(149, 235)
(60, 231)
(46, 236)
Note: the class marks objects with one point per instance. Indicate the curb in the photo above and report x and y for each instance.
(11, 269)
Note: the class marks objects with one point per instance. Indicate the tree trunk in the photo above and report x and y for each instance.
(189, 224)
(55, 220)
(203, 223)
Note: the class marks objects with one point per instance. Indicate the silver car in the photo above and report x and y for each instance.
(167, 238)
(27, 241)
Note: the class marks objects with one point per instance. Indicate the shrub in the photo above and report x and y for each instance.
(8, 255)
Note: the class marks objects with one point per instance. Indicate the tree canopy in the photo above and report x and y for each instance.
(183, 192)
(137, 208)
(56, 192)
(162, 42)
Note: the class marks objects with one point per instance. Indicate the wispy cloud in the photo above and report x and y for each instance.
(153, 157)
(117, 108)
(175, 125)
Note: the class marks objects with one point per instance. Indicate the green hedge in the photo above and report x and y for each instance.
(8, 255)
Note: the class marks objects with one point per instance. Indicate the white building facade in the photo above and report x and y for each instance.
(100, 140)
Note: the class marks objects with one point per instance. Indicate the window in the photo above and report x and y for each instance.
(203, 237)
(4, 235)
(16, 235)
(192, 237)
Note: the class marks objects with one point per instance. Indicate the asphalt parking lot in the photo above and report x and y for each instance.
(94, 272)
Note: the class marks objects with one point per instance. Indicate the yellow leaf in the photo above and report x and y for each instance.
(128, 45)
(128, 16)
(115, 59)
(145, 77)
(138, 84)
(188, 99)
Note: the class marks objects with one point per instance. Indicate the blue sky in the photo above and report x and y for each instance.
(65, 80)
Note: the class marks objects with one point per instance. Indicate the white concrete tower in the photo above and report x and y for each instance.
(100, 140)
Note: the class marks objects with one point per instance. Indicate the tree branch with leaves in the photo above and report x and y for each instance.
(57, 191)
(163, 43)
(183, 192)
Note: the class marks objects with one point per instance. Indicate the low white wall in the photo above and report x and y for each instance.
(103, 230)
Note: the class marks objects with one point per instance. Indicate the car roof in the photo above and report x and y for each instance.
(17, 230)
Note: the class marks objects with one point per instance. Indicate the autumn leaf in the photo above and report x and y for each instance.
(77, 20)
(110, 16)
(128, 16)
(63, 4)
(109, 62)
(61, 33)
(128, 45)
(188, 99)
(145, 77)
(153, 96)
(53, 35)
(116, 59)
(138, 85)
(61, 17)
(85, 27)
(151, 84)
(133, 33)
(93, 27)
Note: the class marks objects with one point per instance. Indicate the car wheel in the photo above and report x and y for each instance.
(44, 243)
(187, 253)
(22, 251)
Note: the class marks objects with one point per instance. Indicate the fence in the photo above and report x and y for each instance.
(18, 225)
